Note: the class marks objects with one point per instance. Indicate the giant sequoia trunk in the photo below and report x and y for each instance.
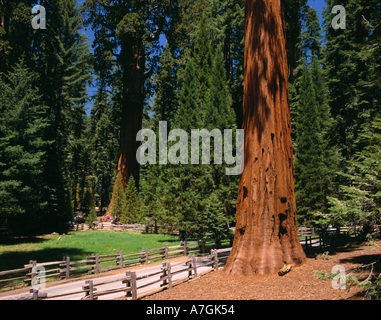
(133, 67)
(132, 60)
(266, 235)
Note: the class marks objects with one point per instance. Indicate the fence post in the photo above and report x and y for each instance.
(202, 246)
(121, 259)
(97, 263)
(215, 258)
(32, 274)
(67, 271)
(185, 248)
(164, 269)
(169, 275)
(132, 284)
(166, 251)
(34, 294)
(194, 265)
(91, 287)
(147, 258)
(89, 293)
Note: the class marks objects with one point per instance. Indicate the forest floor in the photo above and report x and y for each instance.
(299, 284)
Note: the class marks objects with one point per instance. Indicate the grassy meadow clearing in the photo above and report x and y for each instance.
(17, 252)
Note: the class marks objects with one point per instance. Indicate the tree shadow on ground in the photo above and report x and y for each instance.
(171, 237)
(369, 266)
(368, 260)
(16, 260)
(21, 240)
(169, 240)
(348, 247)
(364, 263)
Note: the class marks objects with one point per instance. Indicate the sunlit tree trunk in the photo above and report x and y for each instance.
(266, 232)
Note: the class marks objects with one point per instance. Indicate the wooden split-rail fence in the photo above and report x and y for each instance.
(130, 282)
(314, 238)
(65, 269)
(94, 264)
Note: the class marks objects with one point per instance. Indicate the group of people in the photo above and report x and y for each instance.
(107, 218)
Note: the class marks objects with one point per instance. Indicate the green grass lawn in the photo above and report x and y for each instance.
(78, 245)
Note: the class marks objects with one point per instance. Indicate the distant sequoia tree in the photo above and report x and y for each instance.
(266, 232)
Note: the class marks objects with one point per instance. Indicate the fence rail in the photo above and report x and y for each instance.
(95, 263)
(130, 283)
(304, 231)
(315, 238)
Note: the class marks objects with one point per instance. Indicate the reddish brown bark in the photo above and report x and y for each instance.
(133, 79)
(133, 66)
(266, 234)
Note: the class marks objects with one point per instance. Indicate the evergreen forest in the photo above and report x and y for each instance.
(74, 95)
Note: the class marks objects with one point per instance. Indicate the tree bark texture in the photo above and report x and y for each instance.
(132, 60)
(266, 230)
(133, 67)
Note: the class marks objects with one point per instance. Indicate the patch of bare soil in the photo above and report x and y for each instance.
(299, 284)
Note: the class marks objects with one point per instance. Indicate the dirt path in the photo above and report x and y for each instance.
(300, 284)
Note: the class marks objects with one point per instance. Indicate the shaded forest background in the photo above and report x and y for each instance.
(57, 157)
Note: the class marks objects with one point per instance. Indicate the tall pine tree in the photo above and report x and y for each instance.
(359, 200)
(309, 153)
(347, 60)
(23, 152)
(64, 64)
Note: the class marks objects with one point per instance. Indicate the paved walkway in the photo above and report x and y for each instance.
(75, 286)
